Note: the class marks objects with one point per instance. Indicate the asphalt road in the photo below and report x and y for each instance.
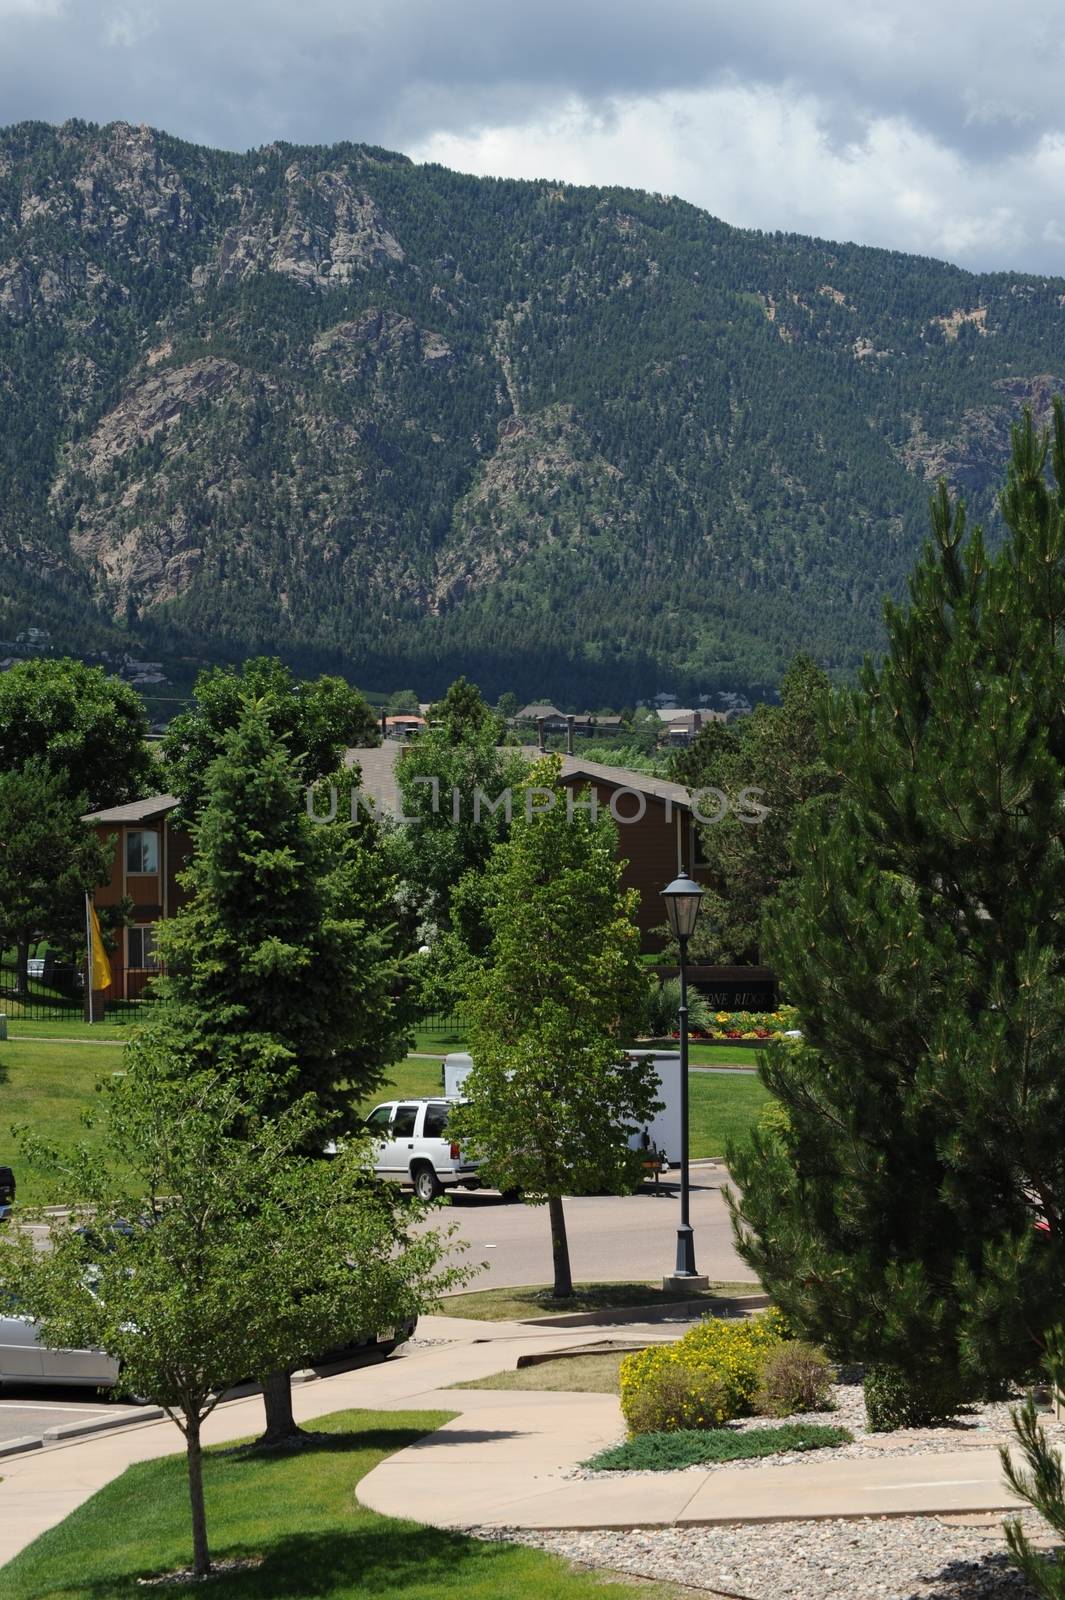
(26, 1409)
(610, 1237)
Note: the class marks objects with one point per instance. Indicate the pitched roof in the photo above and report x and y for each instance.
(378, 765)
(149, 810)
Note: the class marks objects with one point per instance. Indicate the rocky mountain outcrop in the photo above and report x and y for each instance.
(328, 402)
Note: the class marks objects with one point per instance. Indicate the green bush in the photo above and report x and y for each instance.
(795, 1376)
(671, 1396)
(663, 1452)
(663, 1004)
(704, 1380)
(897, 1399)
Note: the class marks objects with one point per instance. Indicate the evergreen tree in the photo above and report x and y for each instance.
(286, 958)
(911, 1213)
(551, 1100)
(288, 932)
(463, 715)
(769, 766)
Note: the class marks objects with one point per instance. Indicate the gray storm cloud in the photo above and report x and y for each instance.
(968, 85)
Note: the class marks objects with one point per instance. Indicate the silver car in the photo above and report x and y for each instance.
(24, 1359)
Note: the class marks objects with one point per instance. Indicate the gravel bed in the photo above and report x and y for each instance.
(893, 1558)
(982, 1427)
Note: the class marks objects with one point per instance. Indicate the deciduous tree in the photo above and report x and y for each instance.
(217, 1248)
(552, 1097)
(88, 727)
(316, 720)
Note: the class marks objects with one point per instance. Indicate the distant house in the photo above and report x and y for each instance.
(148, 853)
(680, 727)
(554, 720)
(405, 726)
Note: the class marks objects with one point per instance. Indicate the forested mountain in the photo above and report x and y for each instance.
(572, 441)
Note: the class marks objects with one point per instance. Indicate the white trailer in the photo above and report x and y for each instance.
(661, 1133)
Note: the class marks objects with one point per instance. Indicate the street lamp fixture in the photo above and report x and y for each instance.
(683, 898)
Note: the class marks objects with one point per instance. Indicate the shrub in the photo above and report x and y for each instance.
(704, 1380)
(663, 1452)
(795, 1376)
(672, 1396)
(897, 1399)
(663, 1003)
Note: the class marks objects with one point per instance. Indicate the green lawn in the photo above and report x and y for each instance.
(722, 1108)
(431, 1041)
(536, 1300)
(410, 1078)
(295, 1514)
(49, 1086)
(428, 1041)
(67, 1028)
(592, 1374)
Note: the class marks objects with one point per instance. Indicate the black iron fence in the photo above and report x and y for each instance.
(55, 993)
(442, 1025)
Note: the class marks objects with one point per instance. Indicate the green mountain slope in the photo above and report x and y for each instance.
(580, 442)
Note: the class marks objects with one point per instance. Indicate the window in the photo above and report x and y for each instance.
(403, 1122)
(142, 850)
(141, 949)
(379, 1119)
(435, 1121)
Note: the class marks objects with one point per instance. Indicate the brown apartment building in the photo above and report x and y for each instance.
(148, 854)
(658, 836)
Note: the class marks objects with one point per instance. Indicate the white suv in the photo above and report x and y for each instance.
(411, 1145)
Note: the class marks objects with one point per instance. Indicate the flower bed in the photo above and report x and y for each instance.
(751, 1027)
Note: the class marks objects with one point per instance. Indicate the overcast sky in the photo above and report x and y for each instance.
(925, 125)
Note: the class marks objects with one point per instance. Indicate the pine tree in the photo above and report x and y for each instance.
(288, 931)
(912, 1211)
(285, 961)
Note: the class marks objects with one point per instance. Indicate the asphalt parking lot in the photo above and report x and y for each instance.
(27, 1410)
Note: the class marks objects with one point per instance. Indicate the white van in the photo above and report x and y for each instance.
(412, 1145)
(661, 1133)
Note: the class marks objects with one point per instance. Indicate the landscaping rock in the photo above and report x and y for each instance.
(904, 1558)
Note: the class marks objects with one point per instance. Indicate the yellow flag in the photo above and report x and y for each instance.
(98, 962)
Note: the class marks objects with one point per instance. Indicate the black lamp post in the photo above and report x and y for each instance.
(683, 899)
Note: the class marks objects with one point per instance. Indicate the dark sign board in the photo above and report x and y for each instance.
(731, 988)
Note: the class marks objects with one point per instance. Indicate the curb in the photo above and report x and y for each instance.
(16, 1447)
(537, 1358)
(75, 1430)
(675, 1310)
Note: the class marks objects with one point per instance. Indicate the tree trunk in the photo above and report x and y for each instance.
(281, 1426)
(22, 961)
(201, 1556)
(559, 1248)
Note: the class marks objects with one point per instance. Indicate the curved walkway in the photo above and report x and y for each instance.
(502, 1461)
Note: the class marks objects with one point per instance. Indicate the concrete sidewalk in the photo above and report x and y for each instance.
(504, 1466)
(511, 1449)
(38, 1490)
